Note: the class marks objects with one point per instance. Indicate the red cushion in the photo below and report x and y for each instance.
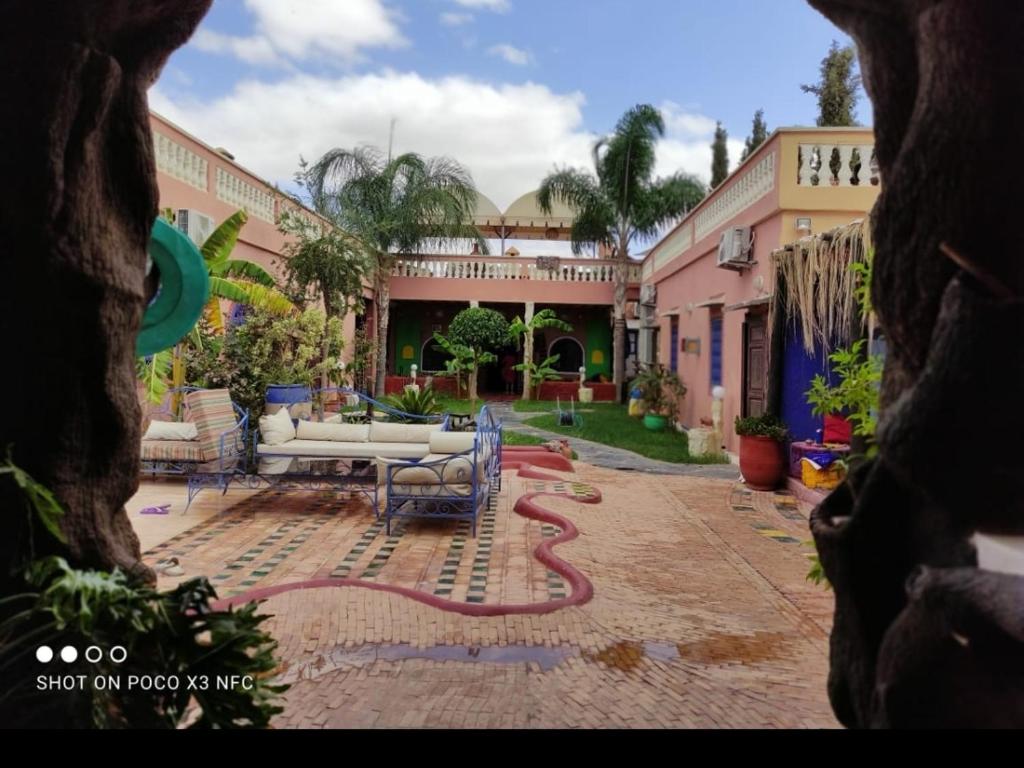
(837, 429)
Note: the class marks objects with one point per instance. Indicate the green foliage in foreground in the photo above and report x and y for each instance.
(175, 634)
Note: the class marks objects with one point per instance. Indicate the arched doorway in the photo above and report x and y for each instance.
(570, 354)
(432, 357)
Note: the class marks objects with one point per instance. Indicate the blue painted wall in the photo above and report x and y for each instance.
(798, 368)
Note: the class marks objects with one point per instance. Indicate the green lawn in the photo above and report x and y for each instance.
(534, 406)
(610, 424)
(518, 438)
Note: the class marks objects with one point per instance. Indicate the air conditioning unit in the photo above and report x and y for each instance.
(648, 295)
(736, 248)
(198, 226)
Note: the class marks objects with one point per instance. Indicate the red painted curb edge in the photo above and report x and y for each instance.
(526, 506)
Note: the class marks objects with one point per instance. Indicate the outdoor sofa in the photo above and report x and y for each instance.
(424, 469)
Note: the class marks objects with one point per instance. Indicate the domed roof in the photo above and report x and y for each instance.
(524, 219)
(485, 209)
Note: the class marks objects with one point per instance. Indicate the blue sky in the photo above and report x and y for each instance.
(510, 88)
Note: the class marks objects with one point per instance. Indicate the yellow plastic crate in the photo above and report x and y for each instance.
(827, 477)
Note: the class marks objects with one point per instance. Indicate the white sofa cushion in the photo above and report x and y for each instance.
(337, 433)
(446, 469)
(457, 469)
(171, 430)
(409, 474)
(330, 450)
(277, 428)
(383, 432)
(451, 442)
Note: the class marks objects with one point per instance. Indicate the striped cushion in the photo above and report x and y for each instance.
(171, 450)
(213, 415)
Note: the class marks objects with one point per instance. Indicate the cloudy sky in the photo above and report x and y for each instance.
(510, 88)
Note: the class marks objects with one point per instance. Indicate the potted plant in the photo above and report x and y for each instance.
(761, 457)
(660, 391)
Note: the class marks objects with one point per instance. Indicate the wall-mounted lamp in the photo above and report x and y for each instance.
(803, 224)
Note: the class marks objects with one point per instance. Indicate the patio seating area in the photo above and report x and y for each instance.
(424, 469)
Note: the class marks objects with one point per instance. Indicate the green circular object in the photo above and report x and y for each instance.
(184, 290)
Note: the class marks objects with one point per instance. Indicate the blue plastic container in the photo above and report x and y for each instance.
(297, 398)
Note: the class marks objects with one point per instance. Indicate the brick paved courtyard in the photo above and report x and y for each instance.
(700, 615)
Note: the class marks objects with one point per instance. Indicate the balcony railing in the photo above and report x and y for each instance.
(498, 268)
(837, 165)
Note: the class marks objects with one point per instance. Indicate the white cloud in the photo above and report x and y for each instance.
(687, 143)
(679, 121)
(498, 6)
(299, 30)
(509, 136)
(511, 54)
(252, 50)
(456, 19)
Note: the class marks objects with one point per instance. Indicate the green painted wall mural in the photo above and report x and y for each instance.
(407, 345)
(599, 347)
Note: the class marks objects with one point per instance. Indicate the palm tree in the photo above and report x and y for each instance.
(237, 280)
(621, 203)
(393, 206)
(523, 333)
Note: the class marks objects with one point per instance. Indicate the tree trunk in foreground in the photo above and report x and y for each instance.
(76, 214)
(922, 637)
(619, 321)
(382, 300)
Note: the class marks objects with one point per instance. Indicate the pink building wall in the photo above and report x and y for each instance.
(700, 282)
(686, 273)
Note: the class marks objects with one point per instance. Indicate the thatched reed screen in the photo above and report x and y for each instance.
(815, 285)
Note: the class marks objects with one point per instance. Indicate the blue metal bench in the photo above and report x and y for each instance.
(455, 487)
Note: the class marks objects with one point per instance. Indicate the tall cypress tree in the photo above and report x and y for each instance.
(758, 134)
(719, 156)
(837, 88)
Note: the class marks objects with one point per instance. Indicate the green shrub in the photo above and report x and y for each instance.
(765, 425)
(414, 403)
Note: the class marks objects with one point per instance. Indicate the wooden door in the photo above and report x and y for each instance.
(755, 364)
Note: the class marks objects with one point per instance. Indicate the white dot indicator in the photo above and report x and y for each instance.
(93, 654)
(69, 653)
(44, 654)
(118, 654)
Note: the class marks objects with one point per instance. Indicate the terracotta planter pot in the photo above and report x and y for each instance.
(761, 462)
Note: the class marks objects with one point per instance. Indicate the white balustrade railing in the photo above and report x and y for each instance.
(179, 162)
(838, 165)
(740, 193)
(241, 194)
(455, 268)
